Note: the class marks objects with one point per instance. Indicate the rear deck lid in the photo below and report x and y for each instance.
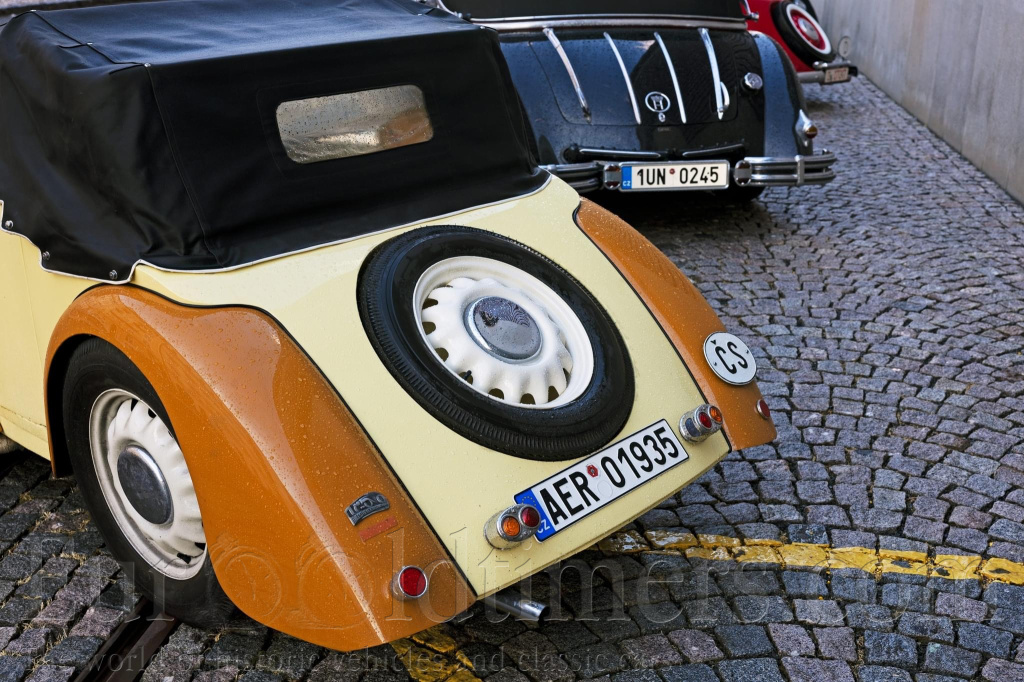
(647, 77)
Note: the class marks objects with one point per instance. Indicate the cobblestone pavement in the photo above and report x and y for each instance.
(886, 313)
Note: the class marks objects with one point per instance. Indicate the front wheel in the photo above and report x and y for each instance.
(136, 483)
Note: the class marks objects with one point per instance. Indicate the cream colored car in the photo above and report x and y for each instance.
(327, 346)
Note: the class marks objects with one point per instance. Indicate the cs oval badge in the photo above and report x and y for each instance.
(730, 358)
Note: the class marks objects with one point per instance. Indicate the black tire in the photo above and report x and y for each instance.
(95, 367)
(796, 42)
(582, 426)
(738, 194)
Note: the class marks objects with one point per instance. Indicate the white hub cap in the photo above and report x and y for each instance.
(809, 29)
(730, 359)
(146, 484)
(505, 333)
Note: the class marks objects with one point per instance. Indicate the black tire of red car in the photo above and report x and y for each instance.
(385, 293)
(95, 367)
(796, 42)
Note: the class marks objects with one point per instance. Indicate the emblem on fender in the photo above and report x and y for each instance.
(730, 359)
(367, 505)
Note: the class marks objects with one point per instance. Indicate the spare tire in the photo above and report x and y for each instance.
(497, 342)
(799, 27)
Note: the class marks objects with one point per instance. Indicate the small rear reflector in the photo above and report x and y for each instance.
(410, 583)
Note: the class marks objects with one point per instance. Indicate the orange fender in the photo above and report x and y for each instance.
(276, 457)
(683, 314)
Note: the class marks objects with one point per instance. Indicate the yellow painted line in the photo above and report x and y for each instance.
(429, 664)
(807, 555)
(432, 655)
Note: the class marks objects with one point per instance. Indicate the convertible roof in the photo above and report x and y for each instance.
(148, 131)
(505, 9)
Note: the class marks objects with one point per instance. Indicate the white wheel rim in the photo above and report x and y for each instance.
(556, 374)
(118, 422)
(797, 15)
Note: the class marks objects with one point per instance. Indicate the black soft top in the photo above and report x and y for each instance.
(147, 131)
(481, 10)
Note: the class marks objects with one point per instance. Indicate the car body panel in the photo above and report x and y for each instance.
(275, 457)
(684, 314)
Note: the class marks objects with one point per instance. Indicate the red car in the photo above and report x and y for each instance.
(794, 24)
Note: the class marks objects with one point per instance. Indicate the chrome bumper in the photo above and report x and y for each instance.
(752, 171)
(778, 171)
(821, 69)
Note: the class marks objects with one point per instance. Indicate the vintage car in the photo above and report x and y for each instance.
(654, 95)
(794, 24)
(309, 352)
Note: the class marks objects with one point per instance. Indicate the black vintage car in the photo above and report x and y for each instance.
(654, 94)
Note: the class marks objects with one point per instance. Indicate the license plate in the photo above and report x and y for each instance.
(667, 176)
(592, 483)
(839, 74)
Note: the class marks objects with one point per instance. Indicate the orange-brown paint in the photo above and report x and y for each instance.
(276, 457)
(683, 313)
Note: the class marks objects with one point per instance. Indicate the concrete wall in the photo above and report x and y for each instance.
(957, 65)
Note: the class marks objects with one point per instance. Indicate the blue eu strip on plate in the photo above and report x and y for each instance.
(627, 177)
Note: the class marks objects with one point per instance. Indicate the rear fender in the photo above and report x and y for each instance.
(276, 457)
(683, 314)
(783, 101)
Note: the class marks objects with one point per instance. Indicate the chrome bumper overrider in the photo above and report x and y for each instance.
(775, 171)
(752, 171)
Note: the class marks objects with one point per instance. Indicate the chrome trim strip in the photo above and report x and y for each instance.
(609, 21)
(625, 75)
(557, 44)
(672, 71)
(706, 37)
(620, 153)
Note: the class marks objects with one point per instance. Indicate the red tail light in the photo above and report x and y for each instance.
(530, 517)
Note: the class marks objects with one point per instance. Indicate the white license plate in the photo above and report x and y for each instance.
(665, 176)
(590, 484)
(839, 74)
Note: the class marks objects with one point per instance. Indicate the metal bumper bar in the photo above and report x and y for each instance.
(777, 171)
(821, 68)
(752, 171)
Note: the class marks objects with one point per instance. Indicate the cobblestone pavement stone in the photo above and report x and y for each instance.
(886, 313)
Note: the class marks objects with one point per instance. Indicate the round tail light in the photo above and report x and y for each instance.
(512, 526)
(763, 409)
(697, 424)
(530, 517)
(410, 583)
